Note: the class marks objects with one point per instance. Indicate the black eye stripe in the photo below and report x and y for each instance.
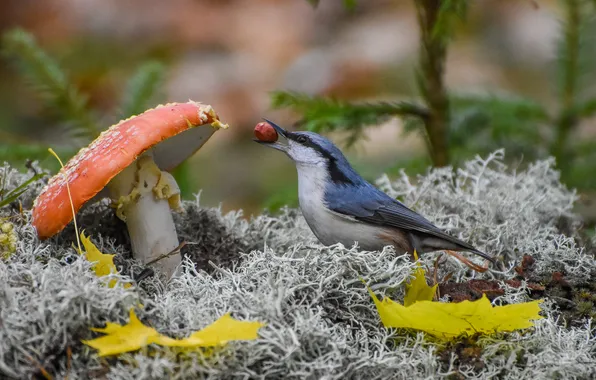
(301, 139)
(337, 175)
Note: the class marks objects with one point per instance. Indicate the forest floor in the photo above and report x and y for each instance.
(320, 320)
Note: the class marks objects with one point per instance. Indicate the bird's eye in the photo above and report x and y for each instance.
(301, 139)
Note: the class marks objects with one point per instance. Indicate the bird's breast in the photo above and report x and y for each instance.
(328, 226)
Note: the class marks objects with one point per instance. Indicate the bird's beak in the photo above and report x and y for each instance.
(276, 144)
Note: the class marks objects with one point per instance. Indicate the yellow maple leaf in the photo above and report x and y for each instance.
(103, 262)
(122, 338)
(135, 335)
(417, 289)
(451, 320)
(220, 332)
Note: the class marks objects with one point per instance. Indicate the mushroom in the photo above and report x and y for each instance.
(130, 163)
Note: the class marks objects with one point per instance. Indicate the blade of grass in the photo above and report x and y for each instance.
(15, 193)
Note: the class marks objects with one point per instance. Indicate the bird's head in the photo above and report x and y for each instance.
(311, 150)
(305, 148)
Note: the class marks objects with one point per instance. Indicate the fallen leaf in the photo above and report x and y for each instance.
(135, 335)
(103, 262)
(418, 289)
(119, 338)
(223, 330)
(451, 320)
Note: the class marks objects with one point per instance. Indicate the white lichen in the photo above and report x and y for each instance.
(321, 323)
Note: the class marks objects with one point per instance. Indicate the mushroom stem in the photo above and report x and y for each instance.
(142, 202)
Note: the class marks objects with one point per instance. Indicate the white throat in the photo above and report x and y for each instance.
(312, 180)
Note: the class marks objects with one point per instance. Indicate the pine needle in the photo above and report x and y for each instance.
(50, 82)
(320, 114)
(142, 88)
(450, 12)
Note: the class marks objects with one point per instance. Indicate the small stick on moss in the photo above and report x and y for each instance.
(166, 255)
(68, 360)
(38, 365)
(467, 262)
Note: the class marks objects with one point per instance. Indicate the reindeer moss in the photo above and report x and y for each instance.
(321, 323)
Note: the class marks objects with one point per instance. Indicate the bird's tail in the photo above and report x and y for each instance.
(482, 254)
(448, 242)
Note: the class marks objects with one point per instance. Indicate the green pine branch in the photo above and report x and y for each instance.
(322, 114)
(587, 109)
(480, 124)
(575, 74)
(142, 88)
(433, 18)
(569, 54)
(45, 75)
(510, 106)
(348, 4)
(450, 13)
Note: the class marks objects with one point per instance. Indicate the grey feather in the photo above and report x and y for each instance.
(368, 204)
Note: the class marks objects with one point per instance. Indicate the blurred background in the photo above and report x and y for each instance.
(233, 54)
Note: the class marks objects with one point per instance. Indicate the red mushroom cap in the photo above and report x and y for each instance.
(92, 168)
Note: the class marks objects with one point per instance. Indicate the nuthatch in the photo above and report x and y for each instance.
(341, 207)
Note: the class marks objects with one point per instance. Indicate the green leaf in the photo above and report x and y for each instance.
(142, 88)
(46, 76)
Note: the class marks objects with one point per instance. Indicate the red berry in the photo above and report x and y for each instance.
(265, 132)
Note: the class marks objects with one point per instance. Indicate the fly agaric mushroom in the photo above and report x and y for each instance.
(129, 162)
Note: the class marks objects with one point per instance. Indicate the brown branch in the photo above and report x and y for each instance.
(568, 118)
(433, 52)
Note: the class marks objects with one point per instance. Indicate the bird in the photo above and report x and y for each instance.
(340, 206)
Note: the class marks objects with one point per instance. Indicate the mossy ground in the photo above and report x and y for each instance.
(321, 323)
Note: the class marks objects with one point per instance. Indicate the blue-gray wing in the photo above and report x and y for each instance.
(370, 205)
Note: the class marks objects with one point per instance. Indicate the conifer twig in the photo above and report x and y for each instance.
(141, 88)
(327, 114)
(432, 61)
(46, 75)
(568, 118)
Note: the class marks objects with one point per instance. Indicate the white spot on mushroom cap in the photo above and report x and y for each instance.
(107, 142)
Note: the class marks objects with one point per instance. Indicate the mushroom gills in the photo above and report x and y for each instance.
(144, 196)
